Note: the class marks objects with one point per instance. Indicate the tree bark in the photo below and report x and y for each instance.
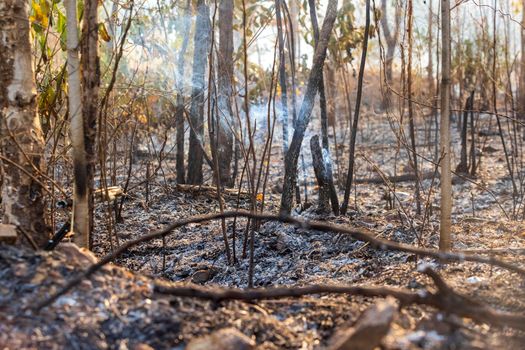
(326, 157)
(282, 76)
(391, 42)
(521, 102)
(446, 173)
(463, 163)
(410, 19)
(179, 104)
(200, 55)
(320, 173)
(224, 139)
(430, 67)
(90, 87)
(21, 135)
(80, 215)
(303, 119)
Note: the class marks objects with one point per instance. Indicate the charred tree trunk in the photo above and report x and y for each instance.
(282, 76)
(327, 158)
(303, 119)
(463, 163)
(21, 135)
(320, 174)
(411, 122)
(179, 104)
(90, 85)
(521, 102)
(80, 215)
(446, 173)
(223, 147)
(200, 54)
(473, 164)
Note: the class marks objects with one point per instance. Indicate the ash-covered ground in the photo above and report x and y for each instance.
(117, 308)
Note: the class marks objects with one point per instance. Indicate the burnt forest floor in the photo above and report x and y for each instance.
(118, 309)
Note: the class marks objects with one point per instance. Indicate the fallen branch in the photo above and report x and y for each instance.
(444, 299)
(211, 191)
(517, 251)
(360, 234)
(396, 179)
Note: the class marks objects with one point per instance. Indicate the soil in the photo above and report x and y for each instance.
(118, 309)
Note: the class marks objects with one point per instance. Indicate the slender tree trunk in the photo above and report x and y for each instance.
(200, 54)
(463, 163)
(430, 47)
(224, 119)
(282, 76)
(303, 119)
(21, 135)
(446, 173)
(495, 103)
(89, 63)
(521, 102)
(391, 43)
(179, 104)
(320, 174)
(294, 23)
(327, 158)
(80, 216)
(353, 137)
(410, 19)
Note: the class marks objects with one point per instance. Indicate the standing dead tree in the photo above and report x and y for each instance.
(446, 172)
(200, 54)
(89, 62)
(282, 76)
(411, 122)
(22, 144)
(223, 145)
(80, 215)
(320, 173)
(521, 96)
(463, 166)
(179, 104)
(303, 119)
(326, 170)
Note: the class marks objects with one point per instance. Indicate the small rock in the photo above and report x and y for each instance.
(8, 233)
(370, 328)
(474, 280)
(201, 276)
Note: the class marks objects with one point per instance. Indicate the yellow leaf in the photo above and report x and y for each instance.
(142, 119)
(102, 31)
(260, 197)
(40, 17)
